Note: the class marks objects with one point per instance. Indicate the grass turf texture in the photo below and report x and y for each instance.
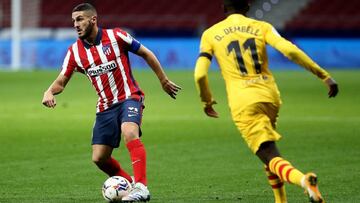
(46, 154)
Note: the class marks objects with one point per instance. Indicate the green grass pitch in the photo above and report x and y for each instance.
(45, 154)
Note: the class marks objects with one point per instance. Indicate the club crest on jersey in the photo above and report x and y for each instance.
(106, 49)
(102, 68)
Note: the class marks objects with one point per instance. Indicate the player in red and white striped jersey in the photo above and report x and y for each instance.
(107, 66)
(102, 55)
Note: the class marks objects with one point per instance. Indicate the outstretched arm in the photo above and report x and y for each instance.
(202, 84)
(167, 85)
(55, 88)
(296, 55)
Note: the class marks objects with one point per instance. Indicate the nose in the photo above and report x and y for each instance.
(76, 25)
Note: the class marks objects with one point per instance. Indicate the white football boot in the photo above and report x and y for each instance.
(139, 193)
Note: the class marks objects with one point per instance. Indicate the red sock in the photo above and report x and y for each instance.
(112, 168)
(138, 158)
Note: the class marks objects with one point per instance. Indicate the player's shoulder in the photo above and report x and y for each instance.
(118, 31)
(262, 27)
(74, 45)
(261, 24)
(239, 19)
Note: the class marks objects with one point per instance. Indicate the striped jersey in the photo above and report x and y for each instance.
(107, 66)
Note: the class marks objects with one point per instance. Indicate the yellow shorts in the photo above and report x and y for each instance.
(257, 123)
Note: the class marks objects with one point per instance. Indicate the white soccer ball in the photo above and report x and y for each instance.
(115, 188)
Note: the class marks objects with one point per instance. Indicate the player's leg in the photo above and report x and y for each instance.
(277, 186)
(254, 124)
(137, 152)
(101, 156)
(130, 129)
(130, 132)
(265, 147)
(268, 153)
(106, 136)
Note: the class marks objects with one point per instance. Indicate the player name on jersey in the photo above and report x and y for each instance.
(233, 29)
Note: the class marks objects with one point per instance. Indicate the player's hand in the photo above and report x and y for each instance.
(170, 88)
(333, 87)
(209, 110)
(49, 100)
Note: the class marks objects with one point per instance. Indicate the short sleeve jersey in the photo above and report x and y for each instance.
(107, 66)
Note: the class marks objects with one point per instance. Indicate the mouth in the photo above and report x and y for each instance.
(79, 31)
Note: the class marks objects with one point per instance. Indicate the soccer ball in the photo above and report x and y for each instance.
(115, 188)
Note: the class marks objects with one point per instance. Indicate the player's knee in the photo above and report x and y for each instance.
(130, 135)
(130, 131)
(98, 159)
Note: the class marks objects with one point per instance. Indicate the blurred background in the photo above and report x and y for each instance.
(45, 151)
(36, 34)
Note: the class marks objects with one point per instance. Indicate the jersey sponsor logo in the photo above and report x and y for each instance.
(101, 69)
(133, 111)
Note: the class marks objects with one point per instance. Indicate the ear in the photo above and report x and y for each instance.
(94, 19)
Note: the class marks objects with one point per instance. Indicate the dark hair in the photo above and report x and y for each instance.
(237, 5)
(84, 7)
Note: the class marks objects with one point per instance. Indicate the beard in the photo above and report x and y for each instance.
(87, 32)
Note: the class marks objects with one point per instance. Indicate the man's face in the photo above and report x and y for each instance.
(83, 23)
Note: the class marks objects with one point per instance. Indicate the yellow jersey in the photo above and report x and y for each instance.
(239, 45)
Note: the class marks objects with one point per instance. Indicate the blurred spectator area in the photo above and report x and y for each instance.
(325, 15)
(139, 15)
(190, 17)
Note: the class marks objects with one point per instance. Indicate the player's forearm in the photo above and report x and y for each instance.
(299, 57)
(202, 85)
(201, 79)
(155, 65)
(55, 89)
(58, 85)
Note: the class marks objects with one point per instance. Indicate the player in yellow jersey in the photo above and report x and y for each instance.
(239, 45)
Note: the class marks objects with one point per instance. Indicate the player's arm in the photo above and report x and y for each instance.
(201, 75)
(150, 58)
(296, 55)
(55, 88)
(202, 83)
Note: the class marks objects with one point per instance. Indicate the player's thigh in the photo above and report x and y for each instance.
(257, 124)
(106, 129)
(130, 119)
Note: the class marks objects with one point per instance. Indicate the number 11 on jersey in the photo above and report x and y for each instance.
(248, 44)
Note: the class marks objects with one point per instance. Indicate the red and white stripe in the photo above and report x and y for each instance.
(116, 49)
(115, 85)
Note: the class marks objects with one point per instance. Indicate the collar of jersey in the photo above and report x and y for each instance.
(97, 39)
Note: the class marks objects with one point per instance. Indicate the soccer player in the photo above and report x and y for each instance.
(239, 45)
(102, 55)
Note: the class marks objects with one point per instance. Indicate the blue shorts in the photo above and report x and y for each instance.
(107, 127)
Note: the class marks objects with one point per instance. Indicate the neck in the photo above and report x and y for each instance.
(91, 39)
